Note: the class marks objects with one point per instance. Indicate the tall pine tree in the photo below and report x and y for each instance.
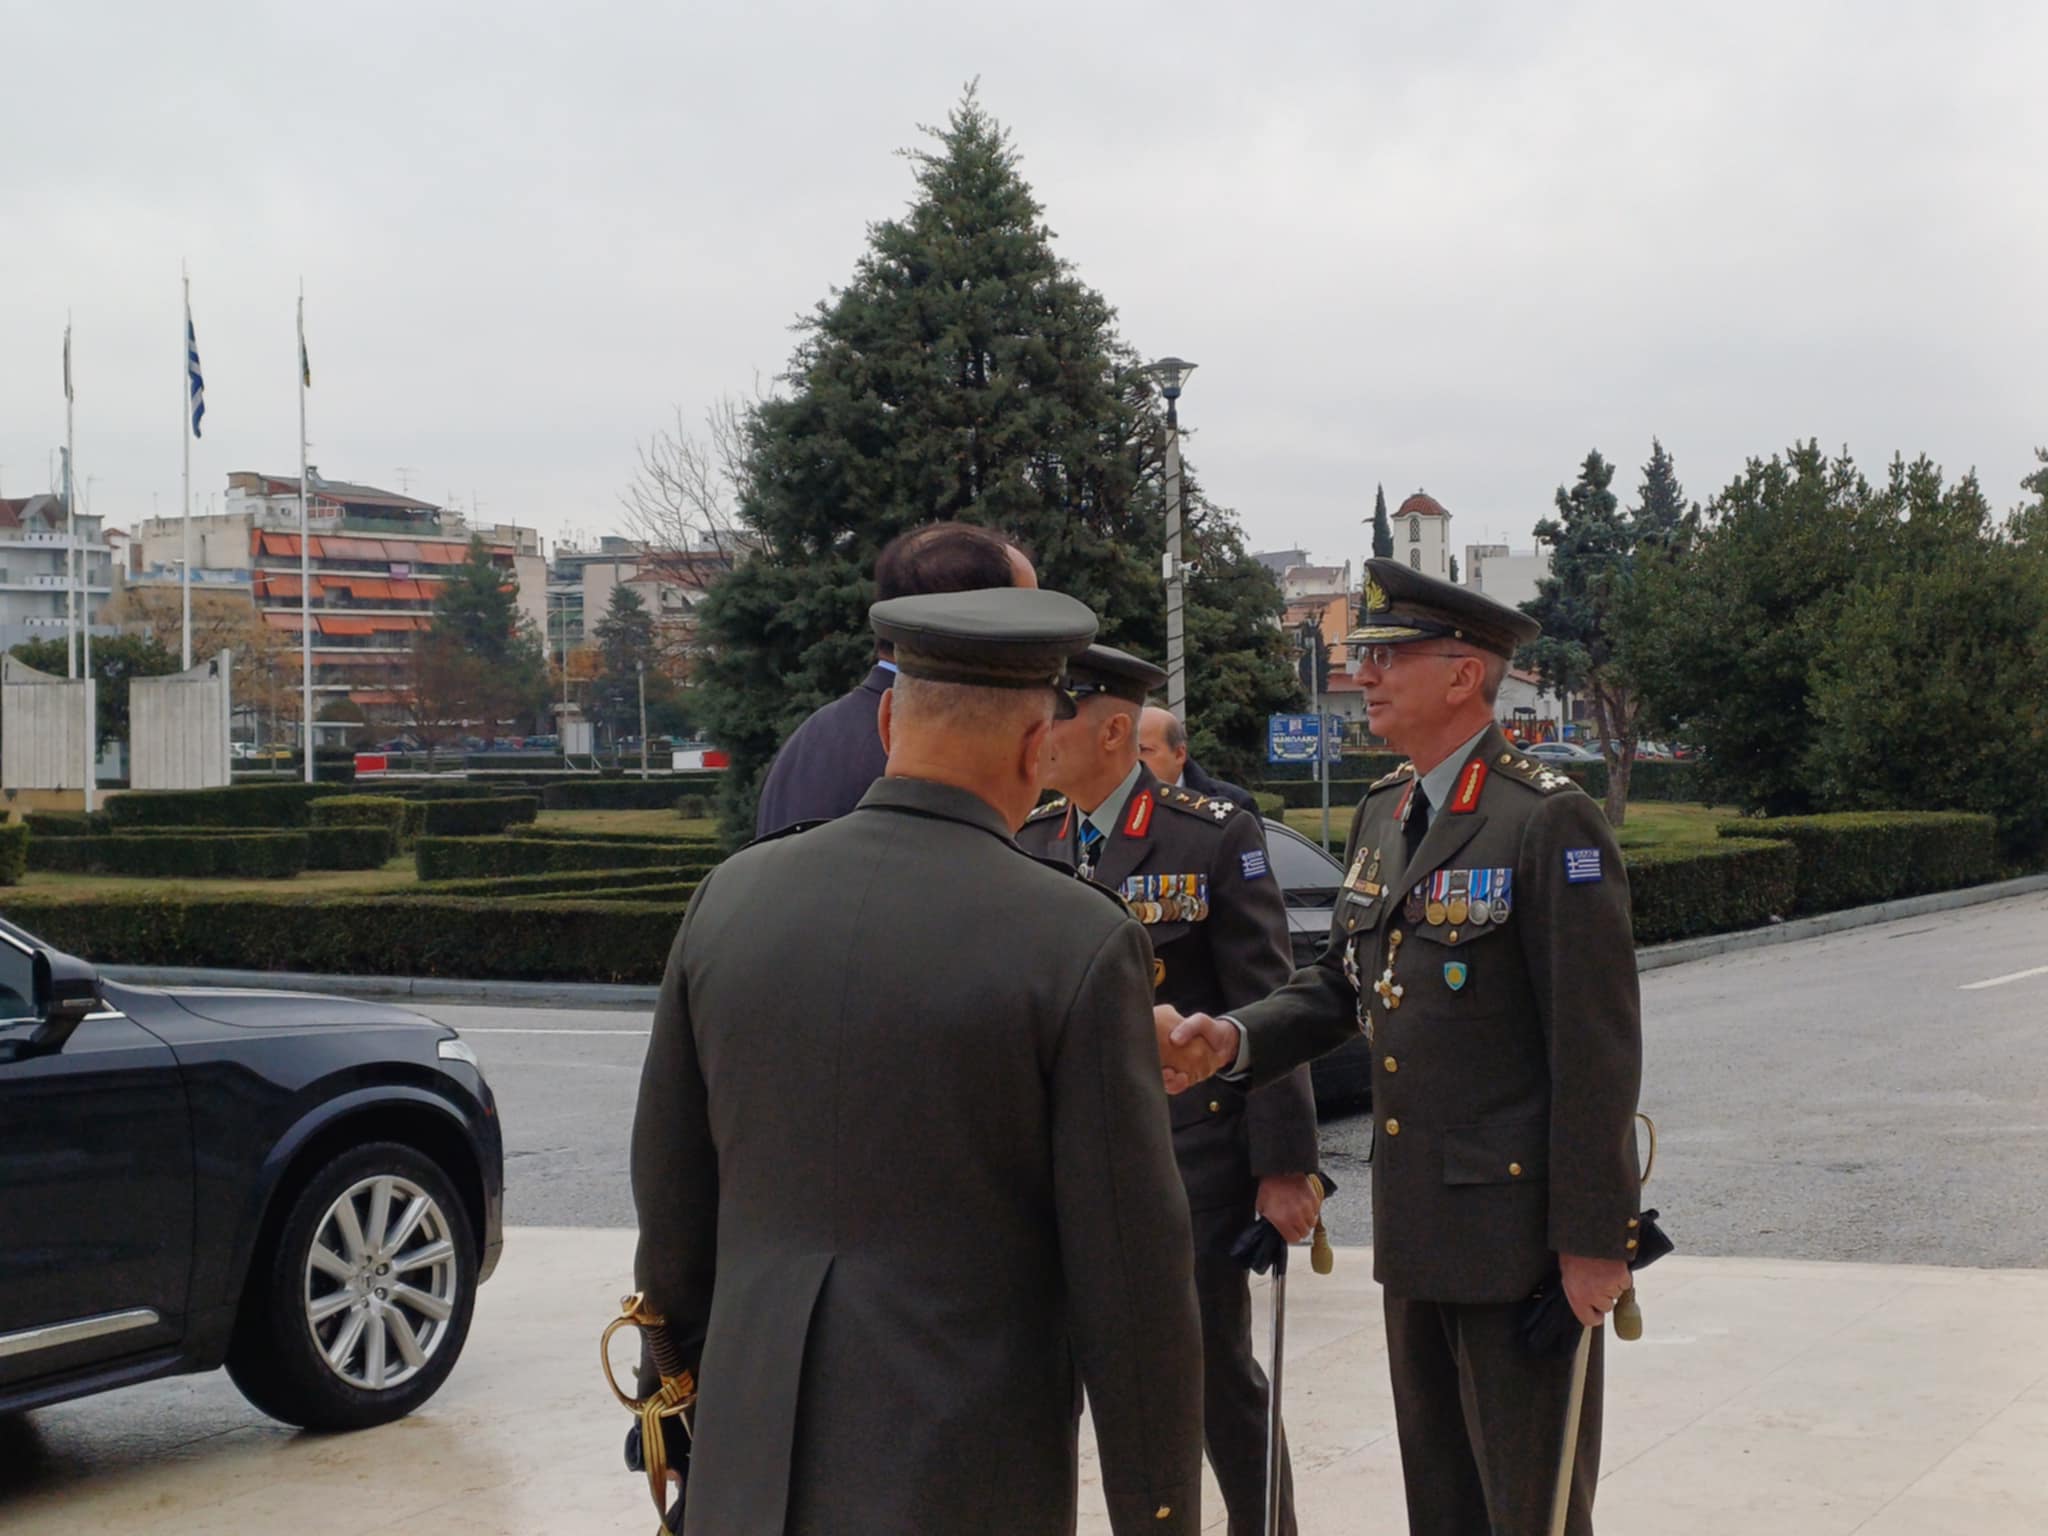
(1382, 530)
(482, 655)
(966, 371)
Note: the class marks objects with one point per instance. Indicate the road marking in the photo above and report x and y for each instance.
(1999, 981)
(639, 1033)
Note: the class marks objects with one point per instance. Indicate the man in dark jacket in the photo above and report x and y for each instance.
(829, 761)
(1163, 743)
(900, 1196)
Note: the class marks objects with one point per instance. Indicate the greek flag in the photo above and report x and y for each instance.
(305, 367)
(195, 385)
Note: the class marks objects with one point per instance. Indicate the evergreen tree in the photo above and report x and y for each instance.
(1454, 570)
(1382, 530)
(484, 659)
(1596, 550)
(965, 371)
(2028, 524)
(626, 644)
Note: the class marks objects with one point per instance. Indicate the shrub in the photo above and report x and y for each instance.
(467, 817)
(472, 858)
(1269, 804)
(176, 854)
(587, 794)
(676, 891)
(694, 807)
(1688, 889)
(1858, 857)
(1364, 766)
(560, 834)
(364, 936)
(1662, 781)
(13, 853)
(66, 823)
(239, 805)
(401, 818)
(349, 847)
(568, 881)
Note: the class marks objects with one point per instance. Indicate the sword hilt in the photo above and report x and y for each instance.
(1628, 1317)
(1320, 1257)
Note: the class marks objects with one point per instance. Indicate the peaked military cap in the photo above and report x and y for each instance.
(1403, 605)
(1105, 669)
(998, 637)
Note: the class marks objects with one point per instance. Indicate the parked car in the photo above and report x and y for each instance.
(1562, 752)
(1310, 880)
(306, 1189)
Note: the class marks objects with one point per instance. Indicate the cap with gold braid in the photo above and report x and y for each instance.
(1403, 605)
(999, 637)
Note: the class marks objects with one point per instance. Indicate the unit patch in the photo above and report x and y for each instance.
(1455, 974)
(1253, 862)
(1581, 865)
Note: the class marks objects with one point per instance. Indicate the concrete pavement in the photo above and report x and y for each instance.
(1769, 1397)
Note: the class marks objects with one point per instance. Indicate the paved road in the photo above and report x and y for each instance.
(1864, 1096)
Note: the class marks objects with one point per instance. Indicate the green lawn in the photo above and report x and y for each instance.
(666, 823)
(1650, 824)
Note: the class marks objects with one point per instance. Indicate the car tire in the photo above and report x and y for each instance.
(358, 1309)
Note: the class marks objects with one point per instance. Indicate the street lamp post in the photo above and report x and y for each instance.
(1171, 373)
(640, 670)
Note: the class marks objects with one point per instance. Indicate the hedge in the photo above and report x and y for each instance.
(349, 847)
(677, 891)
(1855, 858)
(265, 855)
(1352, 765)
(472, 858)
(66, 823)
(561, 834)
(1685, 889)
(466, 817)
(569, 881)
(401, 818)
(13, 853)
(363, 936)
(239, 805)
(586, 794)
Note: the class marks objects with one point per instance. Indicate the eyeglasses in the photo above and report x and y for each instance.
(1382, 656)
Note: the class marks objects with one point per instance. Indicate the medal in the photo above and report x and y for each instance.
(1482, 908)
(1459, 907)
(1439, 887)
(1414, 908)
(1503, 902)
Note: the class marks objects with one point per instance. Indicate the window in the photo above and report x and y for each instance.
(1414, 559)
(17, 981)
(1414, 530)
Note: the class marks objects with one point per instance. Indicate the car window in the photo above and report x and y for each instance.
(17, 983)
(1308, 876)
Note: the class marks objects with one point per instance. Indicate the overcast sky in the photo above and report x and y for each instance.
(1440, 245)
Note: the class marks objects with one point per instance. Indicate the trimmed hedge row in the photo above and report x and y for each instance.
(13, 853)
(349, 847)
(238, 805)
(560, 834)
(475, 818)
(66, 823)
(1855, 858)
(401, 818)
(570, 882)
(475, 858)
(677, 891)
(1681, 891)
(588, 794)
(363, 936)
(1352, 765)
(177, 855)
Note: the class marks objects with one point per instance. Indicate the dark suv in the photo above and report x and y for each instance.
(305, 1189)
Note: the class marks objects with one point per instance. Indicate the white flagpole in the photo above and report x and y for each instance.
(70, 523)
(83, 589)
(185, 416)
(305, 565)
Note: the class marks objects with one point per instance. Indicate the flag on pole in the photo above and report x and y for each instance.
(305, 367)
(196, 384)
(67, 361)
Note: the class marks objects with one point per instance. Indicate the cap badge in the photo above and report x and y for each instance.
(1375, 595)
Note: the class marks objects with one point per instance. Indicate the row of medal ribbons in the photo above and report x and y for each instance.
(1167, 898)
(1462, 896)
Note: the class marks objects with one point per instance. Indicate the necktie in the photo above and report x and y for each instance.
(1091, 843)
(1418, 823)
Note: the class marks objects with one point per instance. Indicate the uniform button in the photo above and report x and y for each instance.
(1165, 1512)
(1215, 1106)
(1630, 1245)
(1633, 1223)
(1391, 1065)
(1506, 758)
(1453, 936)
(1514, 1170)
(1393, 1127)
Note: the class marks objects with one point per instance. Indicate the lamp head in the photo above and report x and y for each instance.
(1170, 373)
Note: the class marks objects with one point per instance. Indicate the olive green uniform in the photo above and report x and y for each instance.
(1194, 870)
(1493, 972)
(901, 1198)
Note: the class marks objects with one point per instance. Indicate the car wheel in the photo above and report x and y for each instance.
(357, 1312)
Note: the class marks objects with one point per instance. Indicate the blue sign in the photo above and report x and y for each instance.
(1296, 738)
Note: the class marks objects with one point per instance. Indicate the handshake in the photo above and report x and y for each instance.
(1192, 1046)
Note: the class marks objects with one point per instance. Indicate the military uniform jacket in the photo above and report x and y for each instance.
(905, 1185)
(1506, 1051)
(1195, 872)
(829, 761)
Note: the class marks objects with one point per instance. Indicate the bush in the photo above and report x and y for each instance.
(1687, 889)
(468, 817)
(588, 794)
(1364, 766)
(1661, 781)
(473, 858)
(1859, 857)
(66, 823)
(363, 936)
(1269, 804)
(13, 853)
(568, 881)
(677, 891)
(401, 818)
(694, 807)
(349, 847)
(176, 854)
(239, 805)
(560, 834)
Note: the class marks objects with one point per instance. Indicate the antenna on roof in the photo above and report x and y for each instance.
(404, 473)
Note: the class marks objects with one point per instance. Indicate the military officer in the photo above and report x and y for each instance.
(1481, 941)
(899, 1197)
(1194, 871)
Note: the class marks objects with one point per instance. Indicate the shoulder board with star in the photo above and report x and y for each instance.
(789, 831)
(1054, 807)
(1533, 773)
(1190, 803)
(1400, 775)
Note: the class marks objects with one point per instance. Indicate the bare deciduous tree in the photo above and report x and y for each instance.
(684, 494)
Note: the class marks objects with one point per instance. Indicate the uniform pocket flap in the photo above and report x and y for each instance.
(1509, 1151)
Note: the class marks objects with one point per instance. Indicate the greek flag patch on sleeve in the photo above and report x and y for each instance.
(1581, 865)
(1253, 862)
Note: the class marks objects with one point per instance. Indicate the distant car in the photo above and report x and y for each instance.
(306, 1189)
(1562, 752)
(1310, 880)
